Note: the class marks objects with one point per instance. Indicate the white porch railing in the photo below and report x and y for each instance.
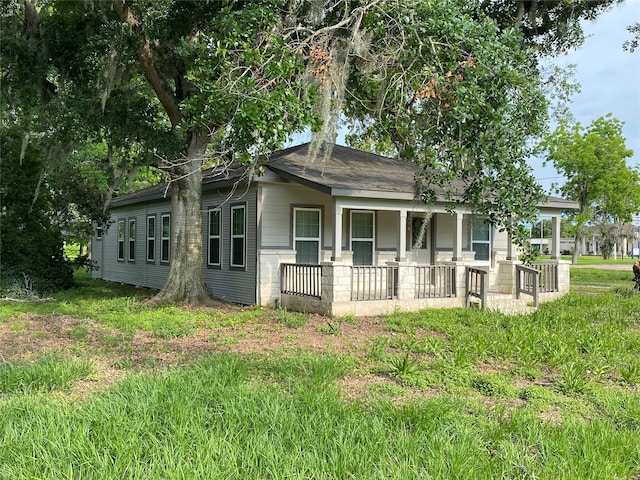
(303, 280)
(435, 281)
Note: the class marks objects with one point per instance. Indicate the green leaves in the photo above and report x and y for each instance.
(593, 160)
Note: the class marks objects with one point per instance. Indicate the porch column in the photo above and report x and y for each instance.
(555, 237)
(510, 249)
(337, 233)
(457, 239)
(402, 236)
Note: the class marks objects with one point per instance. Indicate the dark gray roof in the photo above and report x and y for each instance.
(343, 172)
(212, 179)
(346, 171)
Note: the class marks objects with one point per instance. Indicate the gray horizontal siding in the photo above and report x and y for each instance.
(229, 284)
(139, 271)
(232, 285)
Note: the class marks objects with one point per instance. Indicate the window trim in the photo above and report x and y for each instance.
(151, 258)
(98, 233)
(131, 241)
(482, 242)
(318, 238)
(363, 239)
(163, 238)
(217, 236)
(233, 236)
(120, 240)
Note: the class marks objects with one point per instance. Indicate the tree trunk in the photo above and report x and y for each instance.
(185, 281)
(576, 245)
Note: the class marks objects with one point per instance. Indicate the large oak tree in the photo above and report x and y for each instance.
(451, 84)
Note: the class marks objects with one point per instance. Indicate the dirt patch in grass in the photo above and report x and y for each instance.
(114, 353)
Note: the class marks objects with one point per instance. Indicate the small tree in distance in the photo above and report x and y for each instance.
(593, 160)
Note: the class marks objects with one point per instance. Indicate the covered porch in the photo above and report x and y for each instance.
(339, 290)
(457, 260)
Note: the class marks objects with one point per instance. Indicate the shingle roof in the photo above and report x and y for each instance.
(345, 172)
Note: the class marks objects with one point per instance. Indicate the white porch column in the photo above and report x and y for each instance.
(555, 237)
(402, 236)
(457, 239)
(510, 249)
(337, 233)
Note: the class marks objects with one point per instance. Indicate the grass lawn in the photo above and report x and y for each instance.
(595, 260)
(96, 383)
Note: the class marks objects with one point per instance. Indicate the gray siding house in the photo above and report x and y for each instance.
(337, 235)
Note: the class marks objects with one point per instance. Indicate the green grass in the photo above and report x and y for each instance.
(50, 372)
(227, 417)
(582, 279)
(594, 260)
(455, 393)
(125, 308)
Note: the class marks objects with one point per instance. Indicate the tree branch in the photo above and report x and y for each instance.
(158, 82)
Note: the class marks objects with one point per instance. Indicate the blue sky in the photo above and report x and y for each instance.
(609, 78)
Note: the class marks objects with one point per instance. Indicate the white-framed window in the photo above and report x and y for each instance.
(121, 227)
(132, 240)
(165, 238)
(238, 237)
(362, 237)
(98, 233)
(306, 235)
(215, 239)
(481, 238)
(151, 238)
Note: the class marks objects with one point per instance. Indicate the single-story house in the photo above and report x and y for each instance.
(341, 235)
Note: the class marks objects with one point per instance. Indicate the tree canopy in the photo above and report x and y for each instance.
(452, 85)
(593, 160)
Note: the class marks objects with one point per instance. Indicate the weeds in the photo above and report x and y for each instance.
(402, 365)
(291, 319)
(567, 401)
(631, 373)
(51, 372)
(574, 379)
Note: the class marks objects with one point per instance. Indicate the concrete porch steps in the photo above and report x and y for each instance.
(507, 303)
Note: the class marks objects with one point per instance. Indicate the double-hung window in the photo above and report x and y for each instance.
(165, 237)
(213, 258)
(121, 240)
(151, 238)
(362, 239)
(238, 243)
(306, 235)
(481, 238)
(132, 240)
